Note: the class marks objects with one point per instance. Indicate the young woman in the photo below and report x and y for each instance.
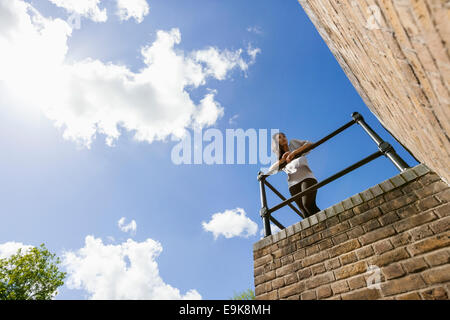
(299, 175)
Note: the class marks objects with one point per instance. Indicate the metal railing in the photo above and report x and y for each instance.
(384, 148)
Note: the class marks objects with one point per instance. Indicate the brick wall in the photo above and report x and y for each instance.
(396, 54)
(400, 228)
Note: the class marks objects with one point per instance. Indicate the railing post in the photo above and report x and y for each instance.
(383, 146)
(264, 210)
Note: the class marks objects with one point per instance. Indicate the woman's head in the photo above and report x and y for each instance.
(279, 144)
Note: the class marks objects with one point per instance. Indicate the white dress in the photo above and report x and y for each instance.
(297, 170)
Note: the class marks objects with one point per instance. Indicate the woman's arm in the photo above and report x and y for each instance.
(296, 152)
(274, 168)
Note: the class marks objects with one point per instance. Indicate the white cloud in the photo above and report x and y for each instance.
(7, 249)
(136, 9)
(231, 223)
(117, 272)
(87, 8)
(255, 29)
(90, 97)
(131, 227)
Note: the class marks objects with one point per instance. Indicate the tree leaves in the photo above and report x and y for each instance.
(31, 275)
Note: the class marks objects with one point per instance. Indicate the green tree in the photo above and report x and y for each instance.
(245, 295)
(31, 275)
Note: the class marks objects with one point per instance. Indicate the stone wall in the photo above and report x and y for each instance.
(396, 54)
(397, 231)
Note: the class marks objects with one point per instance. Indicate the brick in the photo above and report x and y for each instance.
(371, 225)
(410, 187)
(438, 293)
(337, 229)
(363, 294)
(388, 218)
(263, 260)
(393, 194)
(364, 217)
(320, 226)
(345, 215)
(304, 274)
(309, 240)
(363, 207)
(409, 296)
(277, 283)
(443, 211)
(427, 203)
(290, 278)
(348, 258)
(382, 246)
(260, 289)
(318, 269)
(319, 280)
(325, 244)
(401, 239)
(332, 264)
(316, 258)
(356, 200)
(377, 234)
(330, 222)
(340, 238)
(285, 270)
(350, 270)
(437, 275)
(340, 287)
(355, 232)
(389, 257)
(429, 178)
(308, 295)
(393, 271)
(300, 254)
(272, 295)
(366, 195)
(415, 265)
(347, 204)
(431, 189)
(398, 180)
(376, 202)
(324, 292)
(344, 248)
(414, 221)
(268, 276)
(285, 260)
(292, 289)
(376, 191)
(443, 196)
(357, 282)
(407, 211)
(312, 250)
(438, 258)
(364, 252)
(409, 175)
(421, 232)
(398, 203)
(429, 244)
(440, 225)
(402, 285)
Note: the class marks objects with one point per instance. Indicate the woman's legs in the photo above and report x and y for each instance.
(309, 200)
(307, 203)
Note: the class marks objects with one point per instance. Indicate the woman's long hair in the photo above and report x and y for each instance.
(276, 147)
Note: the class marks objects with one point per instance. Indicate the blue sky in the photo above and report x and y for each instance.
(61, 184)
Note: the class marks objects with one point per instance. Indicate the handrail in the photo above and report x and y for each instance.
(384, 148)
